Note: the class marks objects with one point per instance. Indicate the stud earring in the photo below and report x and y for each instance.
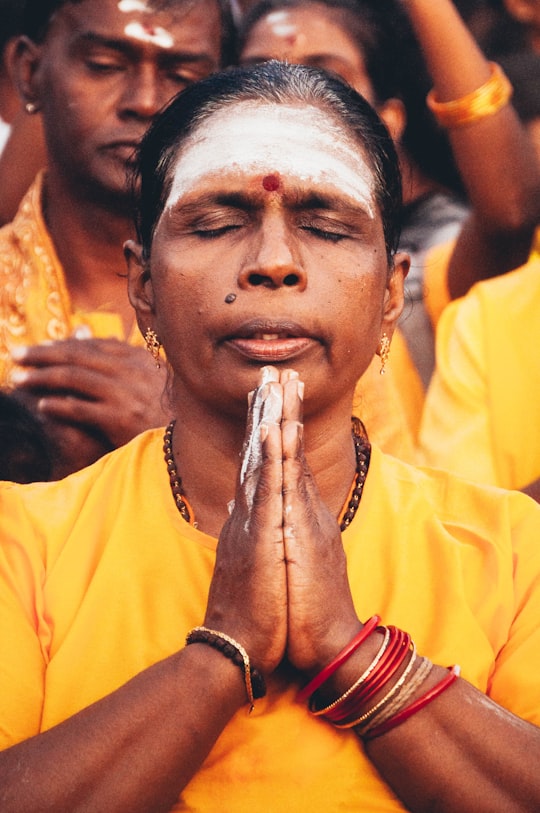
(31, 108)
(384, 352)
(153, 345)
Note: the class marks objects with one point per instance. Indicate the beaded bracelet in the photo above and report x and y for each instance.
(255, 685)
(401, 716)
(340, 659)
(485, 101)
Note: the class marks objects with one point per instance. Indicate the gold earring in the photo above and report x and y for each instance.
(153, 344)
(384, 352)
(31, 108)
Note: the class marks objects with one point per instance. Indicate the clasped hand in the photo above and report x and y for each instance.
(280, 583)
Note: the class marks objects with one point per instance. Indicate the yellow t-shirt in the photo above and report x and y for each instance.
(100, 577)
(482, 412)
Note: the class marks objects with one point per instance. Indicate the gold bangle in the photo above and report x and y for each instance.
(386, 699)
(485, 101)
(400, 701)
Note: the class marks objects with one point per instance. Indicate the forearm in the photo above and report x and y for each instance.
(459, 752)
(495, 155)
(133, 751)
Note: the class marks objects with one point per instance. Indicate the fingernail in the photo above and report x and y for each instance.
(18, 376)
(82, 332)
(301, 390)
(263, 432)
(19, 352)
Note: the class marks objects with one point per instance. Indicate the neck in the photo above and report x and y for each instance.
(206, 441)
(88, 239)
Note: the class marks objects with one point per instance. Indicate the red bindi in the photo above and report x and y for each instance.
(270, 183)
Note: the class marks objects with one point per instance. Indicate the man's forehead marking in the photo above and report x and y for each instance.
(271, 183)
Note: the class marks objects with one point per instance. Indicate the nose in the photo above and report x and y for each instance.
(274, 260)
(143, 96)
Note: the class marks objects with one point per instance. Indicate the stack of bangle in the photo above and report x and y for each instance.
(393, 708)
(485, 101)
(255, 685)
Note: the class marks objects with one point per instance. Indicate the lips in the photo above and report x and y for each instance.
(270, 343)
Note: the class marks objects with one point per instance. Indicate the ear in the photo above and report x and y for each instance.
(140, 290)
(392, 112)
(394, 296)
(24, 63)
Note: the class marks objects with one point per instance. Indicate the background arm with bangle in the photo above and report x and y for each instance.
(495, 156)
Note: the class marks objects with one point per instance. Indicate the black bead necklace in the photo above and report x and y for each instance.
(362, 450)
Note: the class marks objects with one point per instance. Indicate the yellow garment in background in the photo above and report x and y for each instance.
(100, 577)
(390, 405)
(482, 412)
(436, 293)
(35, 305)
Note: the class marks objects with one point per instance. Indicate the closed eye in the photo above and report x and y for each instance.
(103, 67)
(210, 234)
(324, 234)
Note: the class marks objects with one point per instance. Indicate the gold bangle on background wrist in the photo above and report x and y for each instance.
(485, 101)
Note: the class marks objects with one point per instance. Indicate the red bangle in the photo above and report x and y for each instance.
(386, 669)
(419, 704)
(340, 659)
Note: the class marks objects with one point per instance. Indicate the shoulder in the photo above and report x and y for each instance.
(45, 514)
(417, 495)
(25, 230)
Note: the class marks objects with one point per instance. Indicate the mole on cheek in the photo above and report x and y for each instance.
(271, 183)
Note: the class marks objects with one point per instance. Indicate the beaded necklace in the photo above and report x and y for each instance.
(362, 449)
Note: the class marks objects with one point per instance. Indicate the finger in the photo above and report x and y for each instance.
(73, 410)
(57, 378)
(293, 399)
(266, 406)
(269, 415)
(296, 501)
(266, 374)
(88, 352)
(288, 375)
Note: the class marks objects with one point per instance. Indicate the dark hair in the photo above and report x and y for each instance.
(25, 456)
(276, 83)
(37, 15)
(383, 35)
(369, 30)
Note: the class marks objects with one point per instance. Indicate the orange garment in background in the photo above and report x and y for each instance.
(35, 305)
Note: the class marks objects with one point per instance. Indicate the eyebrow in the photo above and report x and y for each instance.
(129, 49)
(295, 199)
